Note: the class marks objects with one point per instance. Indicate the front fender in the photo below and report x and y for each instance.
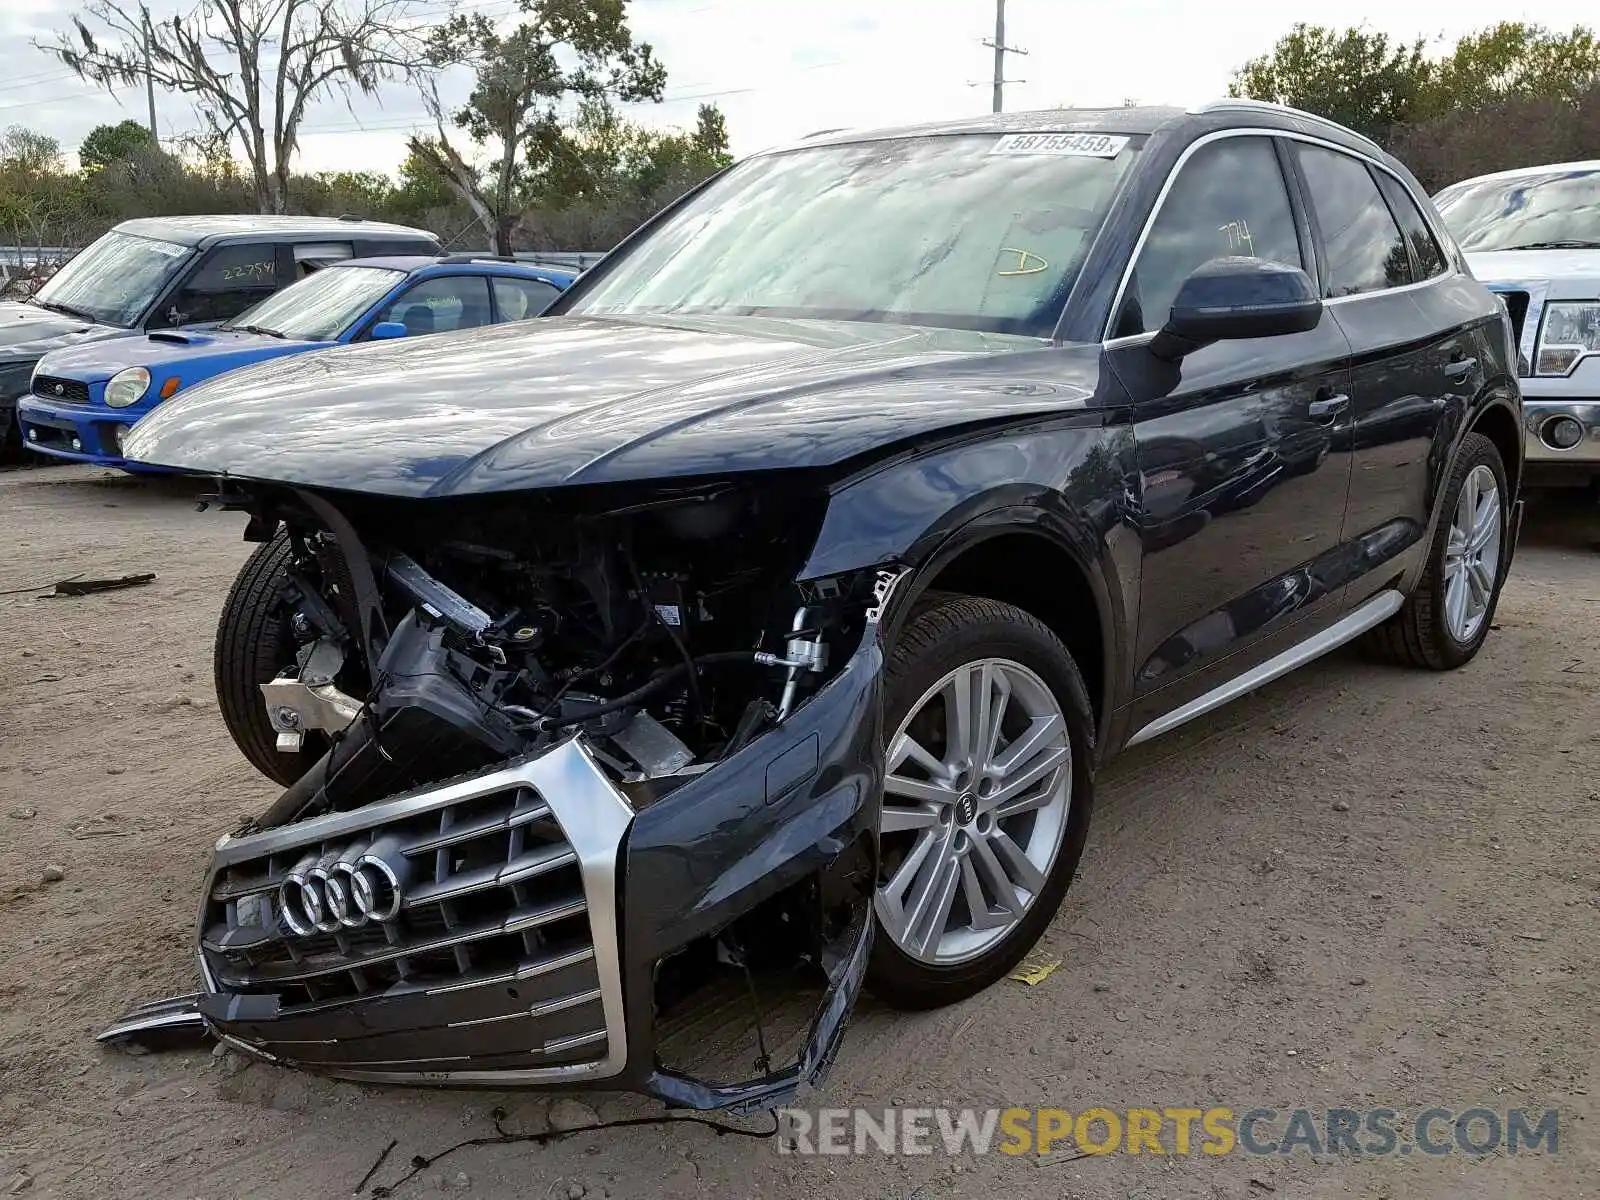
(1067, 481)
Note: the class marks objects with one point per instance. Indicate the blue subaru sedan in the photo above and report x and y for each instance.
(83, 399)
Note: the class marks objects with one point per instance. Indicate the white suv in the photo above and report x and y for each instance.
(1533, 236)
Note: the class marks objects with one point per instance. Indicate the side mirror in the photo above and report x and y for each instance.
(384, 330)
(1229, 299)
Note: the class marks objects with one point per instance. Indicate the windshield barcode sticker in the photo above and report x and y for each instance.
(1089, 145)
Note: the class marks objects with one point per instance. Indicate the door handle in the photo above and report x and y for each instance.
(1327, 405)
(1458, 369)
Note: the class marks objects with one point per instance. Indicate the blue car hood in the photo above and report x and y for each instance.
(182, 349)
(588, 400)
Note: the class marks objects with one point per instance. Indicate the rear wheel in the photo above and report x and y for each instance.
(987, 794)
(254, 643)
(1447, 617)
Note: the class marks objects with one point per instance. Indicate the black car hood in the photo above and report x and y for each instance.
(581, 400)
(28, 331)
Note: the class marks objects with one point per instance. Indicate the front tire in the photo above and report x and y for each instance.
(254, 643)
(1448, 615)
(988, 790)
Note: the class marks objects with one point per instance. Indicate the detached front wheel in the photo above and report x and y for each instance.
(987, 795)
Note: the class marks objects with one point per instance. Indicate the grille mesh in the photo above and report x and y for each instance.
(493, 896)
(73, 391)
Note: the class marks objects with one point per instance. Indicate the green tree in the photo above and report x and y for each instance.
(1513, 60)
(561, 50)
(106, 144)
(1356, 77)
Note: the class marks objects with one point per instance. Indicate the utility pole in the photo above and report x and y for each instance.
(149, 77)
(1000, 52)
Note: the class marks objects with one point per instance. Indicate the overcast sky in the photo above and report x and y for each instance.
(781, 69)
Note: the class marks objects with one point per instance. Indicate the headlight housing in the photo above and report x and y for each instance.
(127, 387)
(1568, 331)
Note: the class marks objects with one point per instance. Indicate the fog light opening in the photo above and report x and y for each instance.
(77, 443)
(1561, 433)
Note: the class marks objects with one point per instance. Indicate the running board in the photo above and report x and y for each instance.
(1374, 612)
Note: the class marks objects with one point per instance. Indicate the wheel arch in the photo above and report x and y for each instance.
(1059, 588)
(1497, 423)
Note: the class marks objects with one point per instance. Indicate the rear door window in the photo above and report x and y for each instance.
(518, 299)
(1424, 246)
(1362, 243)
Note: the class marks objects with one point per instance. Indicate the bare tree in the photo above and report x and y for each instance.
(252, 66)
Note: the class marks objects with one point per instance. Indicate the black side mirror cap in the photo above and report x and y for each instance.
(1229, 299)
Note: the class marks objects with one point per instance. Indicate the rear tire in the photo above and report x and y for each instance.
(254, 643)
(957, 912)
(1448, 615)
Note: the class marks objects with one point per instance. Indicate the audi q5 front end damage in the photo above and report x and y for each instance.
(606, 747)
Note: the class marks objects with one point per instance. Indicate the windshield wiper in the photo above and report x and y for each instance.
(261, 329)
(1569, 244)
(82, 314)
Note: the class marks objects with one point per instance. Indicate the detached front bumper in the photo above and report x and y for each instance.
(504, 929)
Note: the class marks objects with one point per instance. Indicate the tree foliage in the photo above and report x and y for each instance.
(560, 51)
(1510, 95)
(107, 144)
(1355, 76)
(251, 66)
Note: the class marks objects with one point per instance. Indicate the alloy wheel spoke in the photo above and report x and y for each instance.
(907, 747)
(1482, 586)
(1467, 502)
(899, 819)
(906, 873)
(993, 873)
(1018, 866)
(929, 922)
(983, 914)
(1485, 522)
(1038, 735)
(919, 789)
(959, 716)
(1455, 604)
(1021, 780)
(928, 884)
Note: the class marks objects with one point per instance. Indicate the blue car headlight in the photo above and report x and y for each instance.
(127, 387)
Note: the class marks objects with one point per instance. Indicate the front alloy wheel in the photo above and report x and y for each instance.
(986, 800)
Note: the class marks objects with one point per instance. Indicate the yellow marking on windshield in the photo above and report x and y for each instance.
(1024, 257)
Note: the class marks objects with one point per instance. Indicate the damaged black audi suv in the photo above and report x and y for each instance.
(777, 598)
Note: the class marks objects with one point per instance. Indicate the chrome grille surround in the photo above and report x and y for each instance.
(559, 803)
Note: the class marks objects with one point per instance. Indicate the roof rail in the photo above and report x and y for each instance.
(350, 217)
(458, 259)
(1245, 102)
(818, 133)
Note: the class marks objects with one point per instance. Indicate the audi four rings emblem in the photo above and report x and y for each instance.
(339, 895)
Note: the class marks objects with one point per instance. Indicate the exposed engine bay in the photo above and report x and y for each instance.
(566, 758)
(668, 631)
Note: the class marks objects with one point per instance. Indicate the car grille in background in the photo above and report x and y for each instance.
(1517, 306)
(493, 900)
(62, 391)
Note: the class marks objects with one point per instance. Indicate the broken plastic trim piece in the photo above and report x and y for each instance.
(159, 1024)
(845, 977)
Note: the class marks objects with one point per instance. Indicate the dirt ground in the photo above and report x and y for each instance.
(1361, 886)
